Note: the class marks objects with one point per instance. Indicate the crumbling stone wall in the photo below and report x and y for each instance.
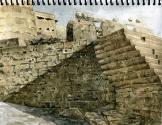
(17, 22)
(81, 30)
(45, 24)
(21, 65)
(74, 83)
(108, 27)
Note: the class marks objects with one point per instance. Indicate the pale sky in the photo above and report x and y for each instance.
(150, 15)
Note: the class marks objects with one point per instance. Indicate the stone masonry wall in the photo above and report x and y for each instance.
(21, 65)
(81, 30)
(74, 83)
(17, 22)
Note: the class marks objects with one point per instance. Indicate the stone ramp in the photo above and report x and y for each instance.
(134, 75)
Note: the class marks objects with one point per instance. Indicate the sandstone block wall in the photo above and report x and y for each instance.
(45, 24)
(21, 65)
(17, 22)
(74, 83)
(108, 27)
(137, 86)
(81, 30)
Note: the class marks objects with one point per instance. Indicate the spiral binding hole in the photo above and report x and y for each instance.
(81, 2)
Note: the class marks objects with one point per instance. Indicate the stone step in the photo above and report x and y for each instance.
(113, 46)
(147, 54)
(130, 75)
(150, 56)
(113, 35)
(126, 69)
(143, 80)
(145, 45)
(138, 89)
(149, 38)
(114, 52)
(108, 42)
(158, 72)
(120, 57)
(141, 88)
(149, 51)
(152, 60)
(155, 66)
(125, 63)
(160, 76)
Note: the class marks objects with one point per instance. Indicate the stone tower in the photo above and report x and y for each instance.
(17, 22)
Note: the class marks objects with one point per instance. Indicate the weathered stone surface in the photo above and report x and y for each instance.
(123, 84)
(25, 64)
(137, 87)
(74, 83)
(94, 119)
(17, 22)
(81, 30)
(72, 113)
(45, 24)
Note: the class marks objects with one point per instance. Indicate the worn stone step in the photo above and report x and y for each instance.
(149, 51)
(148, 38)
(158, 71)
(130, 75)
(139, 88)
(114, 52)
(120, 57)
(152, 60)
(147, 54)
(113, 46)
(160, 76)
(126, 69)
(113, 35)
(143, 80)
(145, 45)
(145, 48)
(108, 42)
(155, 66)
(125, 63)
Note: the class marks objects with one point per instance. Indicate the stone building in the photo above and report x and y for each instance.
(81, 29)
(25, 24)
(45, 24)
(17, 22)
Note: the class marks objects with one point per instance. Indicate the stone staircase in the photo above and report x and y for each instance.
(149, 46)
(131, 63)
